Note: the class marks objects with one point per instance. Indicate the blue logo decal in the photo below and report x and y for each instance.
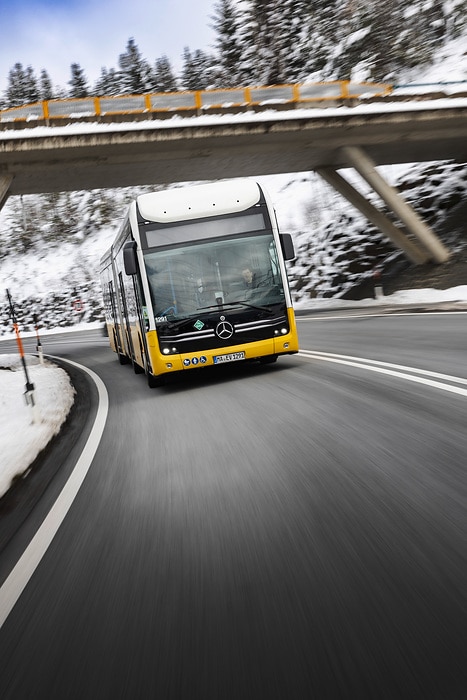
(195, 361)
(186, 362)
(203, 359)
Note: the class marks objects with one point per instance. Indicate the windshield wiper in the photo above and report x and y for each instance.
(235, 303)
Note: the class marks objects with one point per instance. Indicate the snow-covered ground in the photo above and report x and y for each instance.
(25, 431)
(406, 296)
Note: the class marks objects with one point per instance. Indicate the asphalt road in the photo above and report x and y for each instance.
(291, 531)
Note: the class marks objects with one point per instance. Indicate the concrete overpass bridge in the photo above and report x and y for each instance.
(87, 154)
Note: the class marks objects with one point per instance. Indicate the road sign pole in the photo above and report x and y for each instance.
(29, 392)
(38, 340)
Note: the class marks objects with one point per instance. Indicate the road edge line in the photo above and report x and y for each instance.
(17, 580)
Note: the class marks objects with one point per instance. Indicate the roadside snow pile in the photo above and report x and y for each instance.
(423, 297)
(54, 397)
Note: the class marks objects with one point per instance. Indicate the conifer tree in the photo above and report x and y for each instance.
(51, 230)
(384, 43)
(293, 47)
(321, 22)
(71, 216)
(197, 70)
(32, 89)
(22, 86)
(108, 83)
(423, 31)
(135, 72)
(227, 44)
(78, 83)
(163, 76)
(45, 86)
(266, 45)
(16, 86)
(24, 228)
(455, 18)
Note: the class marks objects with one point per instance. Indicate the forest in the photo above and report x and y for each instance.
(267, 42)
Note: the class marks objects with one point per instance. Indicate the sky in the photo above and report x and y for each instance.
(53, 34)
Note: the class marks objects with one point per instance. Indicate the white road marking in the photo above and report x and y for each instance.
(16, 582)
(410, 374)
(19, 577)
(376, 314)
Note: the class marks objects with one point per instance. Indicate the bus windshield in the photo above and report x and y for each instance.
(188, 279)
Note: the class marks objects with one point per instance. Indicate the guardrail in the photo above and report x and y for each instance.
(199, 101)
(439, 85)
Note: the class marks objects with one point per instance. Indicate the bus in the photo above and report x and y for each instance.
(196, 277)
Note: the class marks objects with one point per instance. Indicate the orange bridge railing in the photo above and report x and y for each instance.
(199, 101)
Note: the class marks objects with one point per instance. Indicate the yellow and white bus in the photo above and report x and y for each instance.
(196, 277)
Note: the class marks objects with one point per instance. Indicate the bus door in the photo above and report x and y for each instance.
(117, 337)
(127, 335)
(143, 321)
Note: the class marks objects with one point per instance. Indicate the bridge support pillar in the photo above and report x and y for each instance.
(380, 220)
(425, 236)
(5, 182)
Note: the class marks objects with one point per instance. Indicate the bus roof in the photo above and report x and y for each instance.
(198, 201)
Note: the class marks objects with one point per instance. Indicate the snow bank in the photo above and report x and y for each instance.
(25, 431)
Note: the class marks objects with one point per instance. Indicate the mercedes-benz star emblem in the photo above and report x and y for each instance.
(224, 330)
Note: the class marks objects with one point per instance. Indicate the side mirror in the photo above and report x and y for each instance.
(287, 246)
(129, 258)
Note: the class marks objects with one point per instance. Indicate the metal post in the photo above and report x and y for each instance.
(29, 392)
(38, 340)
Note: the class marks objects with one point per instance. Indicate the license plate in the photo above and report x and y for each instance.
(231, 357)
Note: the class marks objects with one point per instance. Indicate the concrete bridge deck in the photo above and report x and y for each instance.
(84, 156)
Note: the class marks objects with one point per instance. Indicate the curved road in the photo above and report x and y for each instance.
(291, 531)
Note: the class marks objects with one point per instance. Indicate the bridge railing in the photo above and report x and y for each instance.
(199, 101)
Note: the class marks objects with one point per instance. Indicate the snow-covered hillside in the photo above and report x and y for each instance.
(47, 272)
